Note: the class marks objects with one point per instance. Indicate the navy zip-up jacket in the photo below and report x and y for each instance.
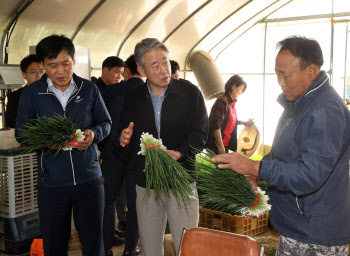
(308, 168)
(86, 108)
(113, 97)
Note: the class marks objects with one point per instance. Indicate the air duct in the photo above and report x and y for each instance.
(207, 74)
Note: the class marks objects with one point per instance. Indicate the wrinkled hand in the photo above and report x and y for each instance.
(126, 135)
(89, 138)
(237, 163)
(174, 154)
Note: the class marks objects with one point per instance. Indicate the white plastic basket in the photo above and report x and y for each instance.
(18, 193)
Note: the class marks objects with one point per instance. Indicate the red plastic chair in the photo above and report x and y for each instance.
(209, 242)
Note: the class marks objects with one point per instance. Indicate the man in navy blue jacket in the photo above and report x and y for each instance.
(112, 72)
(308, 167)
(67, 179)
(114, 169)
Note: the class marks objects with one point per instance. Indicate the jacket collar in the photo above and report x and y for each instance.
(136, 78)
(101, 83)
(229, 99)
(322, 81)
(172, 88)
(76, 79)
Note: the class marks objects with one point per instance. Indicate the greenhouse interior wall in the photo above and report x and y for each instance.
(252, 55)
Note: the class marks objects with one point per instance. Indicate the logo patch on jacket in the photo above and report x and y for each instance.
(78, 99)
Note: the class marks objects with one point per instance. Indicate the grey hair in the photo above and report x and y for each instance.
(146, 45)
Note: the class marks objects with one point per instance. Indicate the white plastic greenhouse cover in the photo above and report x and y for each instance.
(113, 27)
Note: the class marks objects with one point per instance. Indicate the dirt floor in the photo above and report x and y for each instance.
(268, 239)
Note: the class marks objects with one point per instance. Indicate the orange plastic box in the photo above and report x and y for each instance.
(246, 225)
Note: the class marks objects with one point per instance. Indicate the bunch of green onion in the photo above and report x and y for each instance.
(163, 173)
(227, 191)
(57, 132)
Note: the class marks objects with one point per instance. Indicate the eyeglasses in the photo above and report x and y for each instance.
(37, 72)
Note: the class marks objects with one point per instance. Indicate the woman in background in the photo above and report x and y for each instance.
(223, 119)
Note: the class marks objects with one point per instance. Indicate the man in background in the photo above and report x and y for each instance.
(112, 72)
(32, 70)
(115, 169)
(175, 69)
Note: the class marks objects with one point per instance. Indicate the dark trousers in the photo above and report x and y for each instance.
(55, 210)
(121, 203)
(114, 171)
(132, 230)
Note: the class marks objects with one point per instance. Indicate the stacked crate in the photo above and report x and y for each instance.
(246, 225)
(19, 218)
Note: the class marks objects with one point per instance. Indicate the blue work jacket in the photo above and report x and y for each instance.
(308, 168)
(86, 108)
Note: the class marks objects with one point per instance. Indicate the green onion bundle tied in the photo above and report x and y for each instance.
(227, 191)
(58, 132)
(163, 173)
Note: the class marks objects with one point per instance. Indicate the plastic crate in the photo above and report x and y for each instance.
(20, 228)
(246, 225)
(18, 177)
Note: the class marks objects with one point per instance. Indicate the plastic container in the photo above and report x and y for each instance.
(18, 176)
(17, 234)
(246, 225)
(20, 228)
(20, 248)
(7, 139)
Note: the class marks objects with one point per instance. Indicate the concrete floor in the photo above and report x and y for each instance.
(75, 247)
